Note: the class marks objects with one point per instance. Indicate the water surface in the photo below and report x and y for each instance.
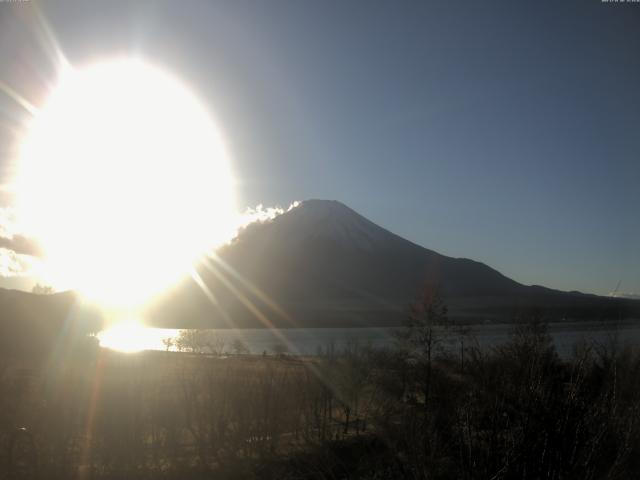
(310, 341)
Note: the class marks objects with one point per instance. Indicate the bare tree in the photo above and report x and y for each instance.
(39, 289)
(168, 343)
(423, 333)
(194, 341)
(239, 347)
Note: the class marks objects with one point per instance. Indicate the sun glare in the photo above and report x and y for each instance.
(124, 180)
(130, 336)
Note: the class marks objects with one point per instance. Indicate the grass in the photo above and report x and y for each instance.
(514, 411)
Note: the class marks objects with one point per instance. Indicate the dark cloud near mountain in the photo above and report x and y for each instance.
(21, 245)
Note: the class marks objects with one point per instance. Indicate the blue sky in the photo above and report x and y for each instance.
(507, 132)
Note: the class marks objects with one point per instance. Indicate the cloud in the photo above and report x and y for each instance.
(12, 239)
(8, 224)
(261, 214)
(14, 264)
(21, 245)
(18, 253)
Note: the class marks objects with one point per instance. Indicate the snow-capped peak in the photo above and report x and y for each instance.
(330, 219)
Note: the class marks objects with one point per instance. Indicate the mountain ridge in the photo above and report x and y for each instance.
(327, 265)
(322, 264)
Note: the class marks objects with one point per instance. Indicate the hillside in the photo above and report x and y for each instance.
(33, 325)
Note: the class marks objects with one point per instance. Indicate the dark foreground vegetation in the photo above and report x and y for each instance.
(415, 411)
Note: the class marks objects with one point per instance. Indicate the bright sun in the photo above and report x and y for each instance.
(124, 180)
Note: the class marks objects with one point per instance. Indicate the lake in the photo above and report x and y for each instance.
(308, 341)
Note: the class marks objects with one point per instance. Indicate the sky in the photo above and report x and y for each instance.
(506, 132)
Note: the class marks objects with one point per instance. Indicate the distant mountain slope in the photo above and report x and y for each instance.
(323, 264)
(32, 325)
(319, 264)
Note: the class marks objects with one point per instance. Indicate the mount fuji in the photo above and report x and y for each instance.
(322, 264)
